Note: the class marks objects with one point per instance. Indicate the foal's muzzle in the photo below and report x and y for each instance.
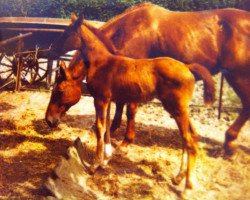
(52, 122)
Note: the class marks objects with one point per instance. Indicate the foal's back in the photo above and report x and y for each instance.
(137, 80)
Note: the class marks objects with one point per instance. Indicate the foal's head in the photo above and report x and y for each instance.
(66, 93)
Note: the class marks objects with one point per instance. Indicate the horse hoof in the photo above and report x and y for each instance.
(93, 168)
(229, 149)
(176, 180)
(186, 194)
(121, 150)
(105, 162)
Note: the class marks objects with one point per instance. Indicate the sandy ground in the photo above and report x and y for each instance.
(29, 151)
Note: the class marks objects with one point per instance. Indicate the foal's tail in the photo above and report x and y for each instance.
(209, 87)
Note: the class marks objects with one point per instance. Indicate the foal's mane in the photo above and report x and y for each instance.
(105, 40)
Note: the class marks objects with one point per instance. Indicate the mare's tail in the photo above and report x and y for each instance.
(202, 72)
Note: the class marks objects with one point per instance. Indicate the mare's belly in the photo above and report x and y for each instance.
(133, 93)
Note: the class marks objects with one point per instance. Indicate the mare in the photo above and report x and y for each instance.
(217, 39)
(117, 78)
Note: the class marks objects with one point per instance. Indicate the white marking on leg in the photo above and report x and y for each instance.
(108, 150)
(184, 160)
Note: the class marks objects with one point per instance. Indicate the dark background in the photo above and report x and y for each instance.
(103, 9)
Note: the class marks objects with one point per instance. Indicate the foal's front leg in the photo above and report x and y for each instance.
(107, 140)
(103, 151)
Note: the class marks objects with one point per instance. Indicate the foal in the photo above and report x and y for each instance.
(125, 80)
(66, 85)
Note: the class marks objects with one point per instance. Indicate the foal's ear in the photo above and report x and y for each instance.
(64, 72)
(73, 17)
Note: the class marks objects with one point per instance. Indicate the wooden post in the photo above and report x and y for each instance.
(49, 75)
(57, 68)
(18, 77)
(220, 97)
(19, 65)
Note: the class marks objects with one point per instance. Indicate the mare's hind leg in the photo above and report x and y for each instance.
(130, 131)
(240, 84)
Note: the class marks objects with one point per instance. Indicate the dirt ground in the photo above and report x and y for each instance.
(30, 150)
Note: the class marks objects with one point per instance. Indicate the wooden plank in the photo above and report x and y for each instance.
(14, 39)
(34, 30)
(35, 20)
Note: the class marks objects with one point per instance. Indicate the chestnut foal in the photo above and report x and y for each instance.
(120, 79)
(73, 80)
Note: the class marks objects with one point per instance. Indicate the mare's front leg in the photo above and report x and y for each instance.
(118, 118)
(130, 131)
(101, 108)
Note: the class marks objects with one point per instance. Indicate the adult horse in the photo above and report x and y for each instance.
(217, 39)
(117, 78)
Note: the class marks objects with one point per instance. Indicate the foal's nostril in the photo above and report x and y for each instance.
(49, 123)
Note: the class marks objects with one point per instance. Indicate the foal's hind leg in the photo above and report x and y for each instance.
(180, 114)
(190, 145)
(240, 84)
(183, 168)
